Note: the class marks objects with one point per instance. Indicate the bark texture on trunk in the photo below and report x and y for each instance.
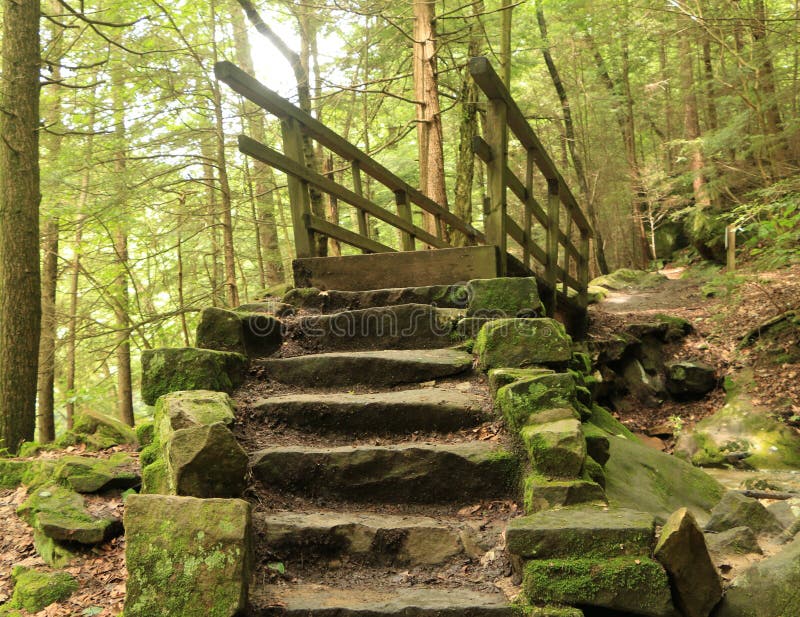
(20, 298)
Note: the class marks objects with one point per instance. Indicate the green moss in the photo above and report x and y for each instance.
(517, 343)
(504, 297)
(155, 478)
(625, 278)
(144, 433)
(90, 475)
(12, 472)
(594, 471)
(520, 400)
(98, 432)
(171, 370)
(539, 493)
(34, 590)
(150, 454)
(629, 584)
(557, 449)
(603, 419)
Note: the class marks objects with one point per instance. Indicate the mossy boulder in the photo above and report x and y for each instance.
(690, 380)
(682, 550)
(503, 297)
(740, 429)
(735, 510)
(636, 585)
(12, 472)
(517, 343)
(557, 449)
(144, 433)
(735, 541)
(521, 400)
(98, 432)
(187, 556)
(85, 474)
(625, 278)
(220, 329)
(588, 531)
(499, 377)
(540, 493)
(60, 514)
(770, 588)
(195, 453)
(168, 370)
(641, 478)
(35, 590)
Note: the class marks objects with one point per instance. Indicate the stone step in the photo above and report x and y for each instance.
(413, 473)
(367, 537)
(332, 301)
(372, 368)
(322, 601)
(405, 326)
(423, 409)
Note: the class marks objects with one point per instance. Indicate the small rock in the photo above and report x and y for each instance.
(736, 510)
(690, 380)
(736, 541)
(34, 590)
(682, 551)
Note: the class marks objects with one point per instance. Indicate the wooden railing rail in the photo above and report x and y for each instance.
(295, 123)
(503, 119)
(503, 115)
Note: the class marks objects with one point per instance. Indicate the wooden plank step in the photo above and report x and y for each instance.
(367, 537)
(400, 269)
(372, 368)
(422, 409)
(405, 473)
(321, 601)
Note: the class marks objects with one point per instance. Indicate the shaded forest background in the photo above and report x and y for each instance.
(671, 119)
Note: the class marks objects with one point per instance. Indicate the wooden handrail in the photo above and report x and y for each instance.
(258, 93)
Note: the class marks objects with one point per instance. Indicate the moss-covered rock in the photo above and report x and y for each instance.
(268, 307)
(735, 541)
(144, 433)
(521, 400)
(642, 478)
(739, 429)
(602, 419)
(504, 297)
(468, 327)
(518, 343)
(625, 278)
(187, 556)
(174, 369)
(220, 329)
(690, 380)
(196, 454)
(556, 449)
(35, 590)
(770, 588)
(12, 472)
(539, 493)
(584, 532)
(85, 474)
(594, 471)
(499, 377)
(98, 432)
(60, 514)
(597, 444)
(735, 510)
(626, 584)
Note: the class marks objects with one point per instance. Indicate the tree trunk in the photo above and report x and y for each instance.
(47, 343)
(468, 128)
(266, 227)
(569, 128)
(507, 8)
(429, 119)
(20, 298)
(121, 305)
(765, 82)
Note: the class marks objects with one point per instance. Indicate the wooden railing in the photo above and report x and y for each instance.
(502, 114)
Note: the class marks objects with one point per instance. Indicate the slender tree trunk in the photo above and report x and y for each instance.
(20, 298)
(215, 271)
(467, 130)
(505, 42)
(47, 344)
(264, 181)
(765, 81)
(569, 129)
(429, 119)
(691, 122)
(121, 306)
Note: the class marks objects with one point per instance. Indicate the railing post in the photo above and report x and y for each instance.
(299, 198)
(496, 133)
(583, 271)
(361, 216)
(551, 267)
(404, 212)
(528, 220)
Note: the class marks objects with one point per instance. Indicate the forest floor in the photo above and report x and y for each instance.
(736, 306)
(722, 310)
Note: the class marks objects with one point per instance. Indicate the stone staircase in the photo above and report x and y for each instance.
(386, 467)
(366, 504)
